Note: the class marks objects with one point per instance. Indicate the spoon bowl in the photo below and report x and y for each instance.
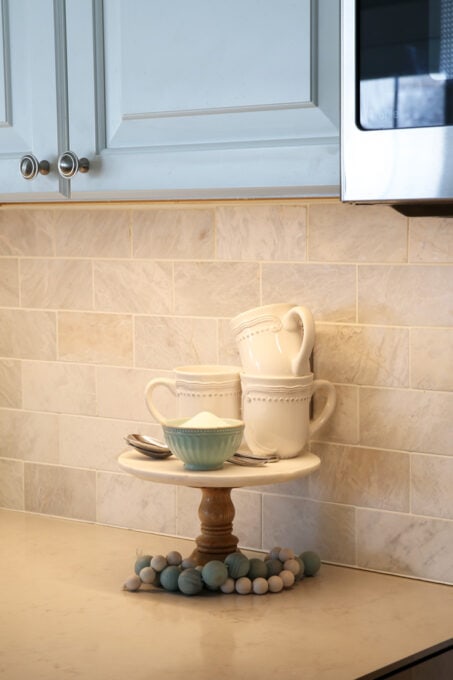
(148, 445)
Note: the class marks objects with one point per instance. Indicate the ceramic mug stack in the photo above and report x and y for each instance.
(275, 343)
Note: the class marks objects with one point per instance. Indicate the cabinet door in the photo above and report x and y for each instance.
(28, 106)
(204, 98)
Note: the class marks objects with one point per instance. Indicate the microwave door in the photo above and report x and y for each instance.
(397, 100)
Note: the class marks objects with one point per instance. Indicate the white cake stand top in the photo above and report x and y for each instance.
(172, 471)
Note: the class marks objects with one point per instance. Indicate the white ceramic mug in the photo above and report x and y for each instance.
(275, 339)
(200, 388)
(276, 412)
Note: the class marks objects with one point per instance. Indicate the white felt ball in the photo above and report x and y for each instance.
(228, 586)
(260, 585)
(243, 585)
(292, 565)
(158, 563)
(275, 584)
(274, 553)
(174, 557)
(132, 583)
(287, 577)
(147, 575)
(286, 554)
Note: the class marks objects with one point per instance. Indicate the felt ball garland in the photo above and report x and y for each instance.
(280, 569)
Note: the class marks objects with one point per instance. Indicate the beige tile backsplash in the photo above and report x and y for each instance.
(97, 300)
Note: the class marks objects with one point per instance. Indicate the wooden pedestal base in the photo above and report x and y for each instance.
(216, 513)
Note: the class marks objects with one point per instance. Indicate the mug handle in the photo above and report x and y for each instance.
(300, 363)
(149, 389)
(329, 406)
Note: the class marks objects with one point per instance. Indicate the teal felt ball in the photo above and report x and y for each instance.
(214, 574)
(169, 577)
(274, 567)
(141, 562)
(189, 582)
(257, 569)
(312, 562)
(238, 565)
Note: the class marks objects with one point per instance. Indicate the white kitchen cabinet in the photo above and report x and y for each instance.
(199, 99)
(28, 99)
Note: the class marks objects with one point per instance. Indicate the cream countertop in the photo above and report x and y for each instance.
(64, 614)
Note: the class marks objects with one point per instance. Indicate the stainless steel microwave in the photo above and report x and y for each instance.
(397, 101)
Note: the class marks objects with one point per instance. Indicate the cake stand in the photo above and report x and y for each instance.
(216, 510)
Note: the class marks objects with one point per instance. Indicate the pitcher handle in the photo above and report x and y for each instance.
(300, 363)
(149, 389)
(329, 406)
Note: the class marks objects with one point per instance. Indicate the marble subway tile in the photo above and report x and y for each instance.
(296, 487)
(56, 284)
(343, 425)
(431, 239)
(133, 287)
(301, 524)
(261, 232)
(405, 544)
(27, 334)
(165, 342)
(411, 295)
(29, 436)
(228, 349)
(26, 231)
(61, 491)
(121, 394)
(215, 288)
(362, 477)
(247, 523)
(344, 233)
(10, 383)
(60, 388)
(362, 355)
(95, 338)
(92, 232)
(409, 420)
(97, 442)
(9, 282)
(126, 501)
(11, 484)
(187, 504)
(329, 291)
(431, 358)
(432, 486)
(186, 233)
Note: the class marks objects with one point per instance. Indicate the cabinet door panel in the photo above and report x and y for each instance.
(205, 98)
(28, 98)
(208, 55)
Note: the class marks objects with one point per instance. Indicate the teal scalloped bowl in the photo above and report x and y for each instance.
(203, 448)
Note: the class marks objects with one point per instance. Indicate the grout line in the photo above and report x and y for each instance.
(357, 293)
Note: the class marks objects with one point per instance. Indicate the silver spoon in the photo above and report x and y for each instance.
(148, 445)
(241, 458)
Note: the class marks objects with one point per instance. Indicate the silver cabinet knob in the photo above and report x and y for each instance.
(69, 164)
(30, 167)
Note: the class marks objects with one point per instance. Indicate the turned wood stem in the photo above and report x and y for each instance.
(216, 513)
